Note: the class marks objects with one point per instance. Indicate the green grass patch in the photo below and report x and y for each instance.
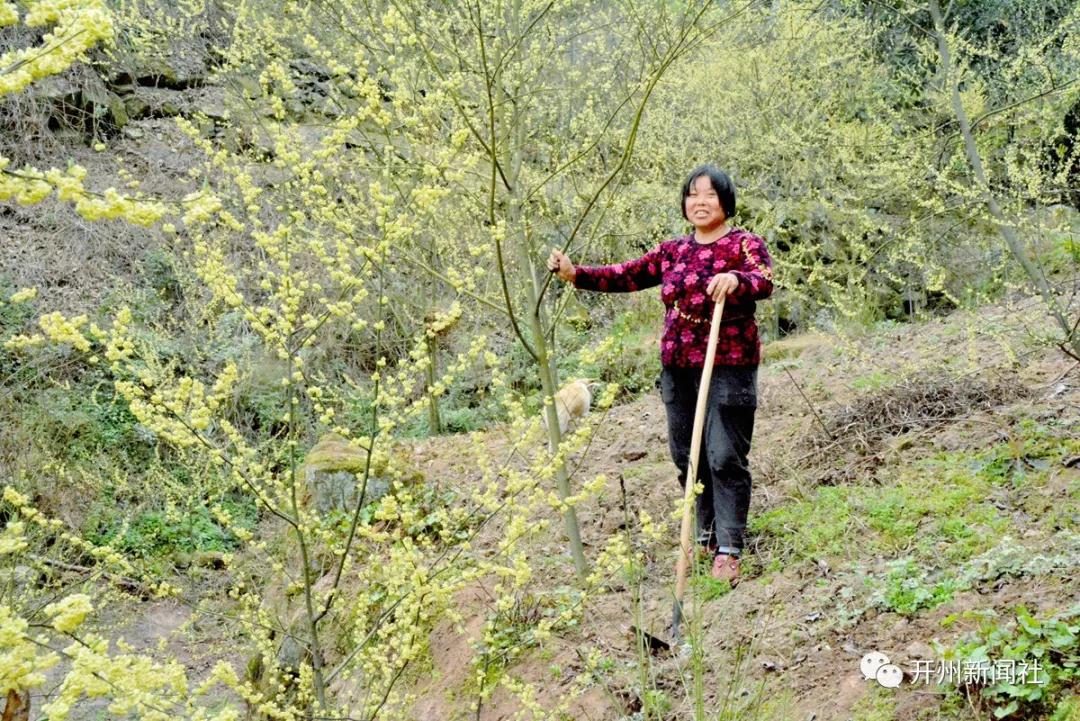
(940, 510)
(707, 588)
(158, 533)
(878, 704)
(817, 526)
(945, 516)
(874, 381)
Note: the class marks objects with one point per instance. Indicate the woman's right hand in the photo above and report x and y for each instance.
(561, 266)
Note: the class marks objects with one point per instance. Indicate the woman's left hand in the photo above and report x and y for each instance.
(722, 284)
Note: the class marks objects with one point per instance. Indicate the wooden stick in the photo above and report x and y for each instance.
(685, 548)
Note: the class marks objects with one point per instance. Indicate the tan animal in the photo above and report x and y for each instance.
(572, 403)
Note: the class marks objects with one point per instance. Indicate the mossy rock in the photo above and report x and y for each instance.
(117, 110)
(335, 453)
(333, 471)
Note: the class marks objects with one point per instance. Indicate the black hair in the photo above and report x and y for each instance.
(721, 183)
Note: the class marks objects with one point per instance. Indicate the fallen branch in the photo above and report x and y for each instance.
(130, 585)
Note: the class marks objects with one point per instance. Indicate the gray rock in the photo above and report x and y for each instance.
(340, 490)
(333, 472)
(291, 653)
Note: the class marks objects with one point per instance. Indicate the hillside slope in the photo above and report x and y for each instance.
(913, 485)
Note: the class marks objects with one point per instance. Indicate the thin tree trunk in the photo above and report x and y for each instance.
(305, 557)
(434, 421)
(562, 478)
(545, 363)
(1005, 227)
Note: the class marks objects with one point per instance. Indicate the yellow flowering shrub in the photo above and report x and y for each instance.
(375, 235)
(69, 613)
(77, 26)
(22, 661)
(36, 637)
(137, 684)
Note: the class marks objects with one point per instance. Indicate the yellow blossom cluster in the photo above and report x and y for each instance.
(28, 186)
(652, 530)
(111, 205)
(533, 707)
(445, 320)
(23, 295)
(78, 26)
(200, 207)
(22, 662)
(179, 410)
(9, 14)
(68, 331)
(119, 346)
(79, 333)
(105, 554)
(13, 539)
(137, 684)
(57, 328)
(69, 613)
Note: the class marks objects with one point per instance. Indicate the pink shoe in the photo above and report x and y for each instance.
(726, 568)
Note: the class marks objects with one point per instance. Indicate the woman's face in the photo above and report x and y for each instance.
(703, 205)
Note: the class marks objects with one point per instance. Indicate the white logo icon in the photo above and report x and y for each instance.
(871, 663)
(889, 675)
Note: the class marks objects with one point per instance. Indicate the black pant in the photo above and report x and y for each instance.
(723, 469)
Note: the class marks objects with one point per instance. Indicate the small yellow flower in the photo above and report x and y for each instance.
(14, 497)
(69, 613)
(13, 539)
(23, 295)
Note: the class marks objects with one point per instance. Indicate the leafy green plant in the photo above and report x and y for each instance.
(160, 532)
(627, 352)
(89, 422)
(707, 588)
(655, 703)
(1068, 709)
(517, 626)
(909, 590)
(1052, 642)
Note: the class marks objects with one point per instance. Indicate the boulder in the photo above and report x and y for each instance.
(156, 103)
(333, 471)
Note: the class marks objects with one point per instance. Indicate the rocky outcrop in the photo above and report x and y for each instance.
(333, 473)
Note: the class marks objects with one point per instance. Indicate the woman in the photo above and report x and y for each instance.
(694, 271)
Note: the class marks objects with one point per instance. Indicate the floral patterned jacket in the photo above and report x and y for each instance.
(682, 268)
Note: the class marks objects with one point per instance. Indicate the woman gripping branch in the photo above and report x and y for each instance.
(716, 260)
